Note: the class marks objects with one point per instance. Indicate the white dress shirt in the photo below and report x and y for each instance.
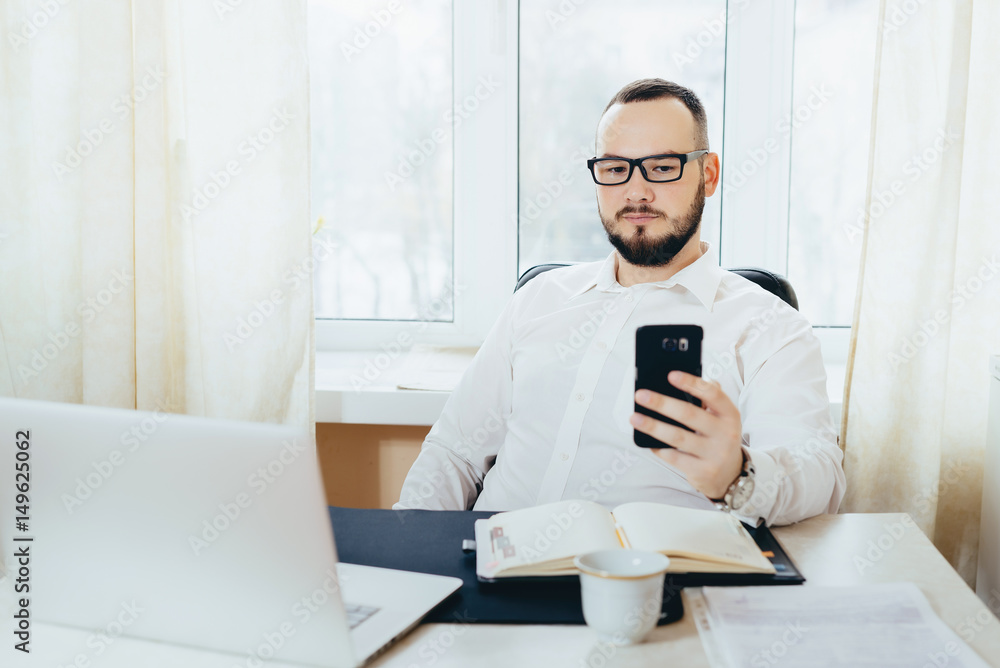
(542, 412)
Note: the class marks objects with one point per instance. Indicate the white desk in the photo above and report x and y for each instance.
(824, 548)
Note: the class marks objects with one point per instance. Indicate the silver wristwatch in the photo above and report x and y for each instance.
(740, 491)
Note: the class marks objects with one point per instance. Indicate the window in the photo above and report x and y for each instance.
(382, 157)
(571, 64)
(426, 86)
(830, 125)
(498, 102)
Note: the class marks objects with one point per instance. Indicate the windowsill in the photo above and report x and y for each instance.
(345, 394)
(363, 387)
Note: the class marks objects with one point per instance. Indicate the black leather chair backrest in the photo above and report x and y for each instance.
(774, 283)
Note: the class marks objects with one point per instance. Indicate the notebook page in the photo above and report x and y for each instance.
(554, 531)
(884, 625)
(690, 532)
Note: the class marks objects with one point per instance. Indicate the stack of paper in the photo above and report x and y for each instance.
(438, 368)
(886, 625)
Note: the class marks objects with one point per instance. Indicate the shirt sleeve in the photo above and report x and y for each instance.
(788, 432)
(463, 444)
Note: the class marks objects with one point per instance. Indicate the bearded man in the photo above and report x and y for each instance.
(545, 411)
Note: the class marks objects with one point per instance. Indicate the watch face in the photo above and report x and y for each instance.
(742, 493)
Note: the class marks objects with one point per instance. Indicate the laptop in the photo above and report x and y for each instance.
(197, 532)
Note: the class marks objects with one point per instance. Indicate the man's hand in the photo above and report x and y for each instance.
(712, 457)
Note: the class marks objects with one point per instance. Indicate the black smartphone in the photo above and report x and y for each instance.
(660, 349)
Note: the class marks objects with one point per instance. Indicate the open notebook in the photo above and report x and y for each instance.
(542, 541)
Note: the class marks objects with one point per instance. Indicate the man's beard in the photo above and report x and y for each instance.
(643, 250)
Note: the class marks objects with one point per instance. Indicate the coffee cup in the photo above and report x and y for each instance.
(622, 593)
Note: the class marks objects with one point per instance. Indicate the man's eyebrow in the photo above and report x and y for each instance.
(666, 152)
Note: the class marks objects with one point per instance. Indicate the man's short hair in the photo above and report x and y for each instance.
(654, 89)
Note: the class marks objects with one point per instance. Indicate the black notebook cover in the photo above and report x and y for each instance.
(431, 542)
(428, 541)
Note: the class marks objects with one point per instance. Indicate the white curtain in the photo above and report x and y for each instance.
(928, 309)
(155, 241)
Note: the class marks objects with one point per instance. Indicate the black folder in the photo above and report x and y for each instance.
(426, 541)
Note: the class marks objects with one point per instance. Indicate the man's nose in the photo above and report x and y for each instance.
(638, 188)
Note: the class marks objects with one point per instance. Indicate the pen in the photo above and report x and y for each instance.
(622, 538)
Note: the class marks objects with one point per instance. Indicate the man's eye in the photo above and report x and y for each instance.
(616, 170)
(664, 169)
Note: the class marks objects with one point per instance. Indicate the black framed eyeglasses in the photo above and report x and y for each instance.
(662, 168)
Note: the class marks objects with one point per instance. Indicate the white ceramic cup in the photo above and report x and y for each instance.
(622, 592)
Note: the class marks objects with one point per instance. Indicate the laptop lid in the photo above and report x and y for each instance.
(198, 532)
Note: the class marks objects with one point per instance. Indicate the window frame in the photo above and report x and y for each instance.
(485, 198)
(758, 90)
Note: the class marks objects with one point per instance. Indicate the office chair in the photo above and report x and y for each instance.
(774, 283)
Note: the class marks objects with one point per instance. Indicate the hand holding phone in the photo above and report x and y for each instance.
(660, 349)
(712, 457)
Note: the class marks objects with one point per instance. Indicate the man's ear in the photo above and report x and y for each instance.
(712, 172)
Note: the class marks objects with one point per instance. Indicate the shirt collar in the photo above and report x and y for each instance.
(701, 278)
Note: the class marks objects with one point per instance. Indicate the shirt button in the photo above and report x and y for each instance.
(564, 456)
(601, 345)
(580, 397)
(628, 298)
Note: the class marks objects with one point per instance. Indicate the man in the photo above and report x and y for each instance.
(545, 410)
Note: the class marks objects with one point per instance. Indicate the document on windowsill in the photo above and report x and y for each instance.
(428, 367)
(885, 625)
